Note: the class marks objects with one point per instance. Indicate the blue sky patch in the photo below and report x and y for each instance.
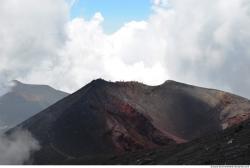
(115, 12)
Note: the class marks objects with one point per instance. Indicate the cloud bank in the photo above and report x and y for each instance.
(199, 42)
(31, 34)
(17, 148)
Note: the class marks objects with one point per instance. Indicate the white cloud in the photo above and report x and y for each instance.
(209, 43)
(161, 3)
(199, 42)
(30, 35)
(16, 148)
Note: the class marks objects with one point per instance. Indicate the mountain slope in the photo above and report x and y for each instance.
(227, 147)
(24, 101)
(105, 118)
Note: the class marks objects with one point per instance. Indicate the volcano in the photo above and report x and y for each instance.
(105, 118)
(24, 101)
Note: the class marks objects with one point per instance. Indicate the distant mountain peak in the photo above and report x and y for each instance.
(24, 100)
(16, 82)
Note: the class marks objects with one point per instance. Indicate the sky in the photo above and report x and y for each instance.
(68, 43)
(115, 12)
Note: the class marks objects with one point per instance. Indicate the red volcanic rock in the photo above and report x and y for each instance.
(236, 119)
(130, 130)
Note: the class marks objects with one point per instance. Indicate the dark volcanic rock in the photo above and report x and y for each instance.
(105, 118)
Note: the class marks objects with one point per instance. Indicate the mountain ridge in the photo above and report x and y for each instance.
(115, 117)
(24, 100)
